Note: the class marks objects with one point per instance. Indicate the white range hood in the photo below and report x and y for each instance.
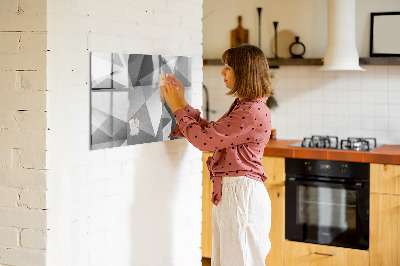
(341, 51)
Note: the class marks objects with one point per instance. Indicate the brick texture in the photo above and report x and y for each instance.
(23, 126)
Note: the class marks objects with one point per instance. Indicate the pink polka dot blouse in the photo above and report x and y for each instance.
(238, 139)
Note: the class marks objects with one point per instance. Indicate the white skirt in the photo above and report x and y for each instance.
(241, 223)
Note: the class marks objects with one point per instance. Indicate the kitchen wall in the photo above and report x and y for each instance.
(136, 205)
(133, 205)
(342, 103)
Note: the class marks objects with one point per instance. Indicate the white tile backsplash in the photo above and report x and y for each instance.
(345, 103)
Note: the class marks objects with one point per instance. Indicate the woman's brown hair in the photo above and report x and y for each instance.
(250, 66)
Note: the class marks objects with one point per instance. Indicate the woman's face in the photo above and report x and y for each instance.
(229, 76)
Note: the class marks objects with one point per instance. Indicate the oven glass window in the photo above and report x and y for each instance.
(326, 207)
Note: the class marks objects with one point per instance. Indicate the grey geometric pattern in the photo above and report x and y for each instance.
(126, 106)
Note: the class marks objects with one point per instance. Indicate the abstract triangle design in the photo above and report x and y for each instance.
(120, 71)
(142, 115)
(126, 107)
(147, 70)
(134, 66)
(155, 111)
(100, 69)
(100, 137)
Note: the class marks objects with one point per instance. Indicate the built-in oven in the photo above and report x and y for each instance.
(327, 202)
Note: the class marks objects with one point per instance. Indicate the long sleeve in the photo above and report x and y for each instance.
(193, 113)
(230, 131)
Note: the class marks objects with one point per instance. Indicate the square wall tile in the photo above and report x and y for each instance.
(381, 110)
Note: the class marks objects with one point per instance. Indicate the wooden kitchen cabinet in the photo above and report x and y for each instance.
(206, 226)
(385, 178)
(384, 236)
(385, 215)
(274, 168)
(305, 254)
(277, 233)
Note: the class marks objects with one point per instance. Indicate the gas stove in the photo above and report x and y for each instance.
(332, 142)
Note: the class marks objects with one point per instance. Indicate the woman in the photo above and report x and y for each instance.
(242, 208)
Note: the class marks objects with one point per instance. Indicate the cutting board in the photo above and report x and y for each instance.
(239, 35)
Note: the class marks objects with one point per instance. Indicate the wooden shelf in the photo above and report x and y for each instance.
(380, 61)
(274, 63)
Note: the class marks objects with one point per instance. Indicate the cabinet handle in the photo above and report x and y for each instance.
(324, 254)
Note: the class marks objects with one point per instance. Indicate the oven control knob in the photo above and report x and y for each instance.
(308, 166)
(343, 168)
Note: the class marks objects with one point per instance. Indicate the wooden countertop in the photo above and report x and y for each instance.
(389, 154)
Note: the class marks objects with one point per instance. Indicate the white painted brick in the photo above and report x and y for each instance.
(33, 159)
(192, 48)
(23, 100)
(8, 6)
(79, 175)
(18, 256)
(7, 79)
(33, 199)
(80, 227)
(28, 61)
(33, 42)
(8, 237)
(197, 10)
(33, 239)
(24, 22)
(34, 120)
(104, 42)
(8, 197)
(168, 19)
(141, 44)
(23, 178)
(150, 6)
(11, 138)
(5, 158)
(31, 80)
(97, 172)
(9, 42)
(190, 22)
(36, 7)
(114, 186)
(176, 7)
(98, 222)
(20, 217)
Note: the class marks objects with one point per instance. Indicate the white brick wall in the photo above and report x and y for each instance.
(23, 132)
(134, 205)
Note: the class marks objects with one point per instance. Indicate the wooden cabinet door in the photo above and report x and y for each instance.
(206, 226)
(277, 233)
(385, 178)
(304, 254)
(274, 168)
(384, 237)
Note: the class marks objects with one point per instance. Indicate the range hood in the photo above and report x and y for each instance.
(341, 51)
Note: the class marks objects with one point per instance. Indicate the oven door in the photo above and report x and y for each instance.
(327, 213)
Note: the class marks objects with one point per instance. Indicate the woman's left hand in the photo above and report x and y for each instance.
(171, 95)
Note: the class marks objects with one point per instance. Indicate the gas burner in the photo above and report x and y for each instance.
(332, 142)
(358, 144)
(327, 142)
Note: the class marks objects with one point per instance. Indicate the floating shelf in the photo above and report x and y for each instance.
(274, 63)
(380, 61)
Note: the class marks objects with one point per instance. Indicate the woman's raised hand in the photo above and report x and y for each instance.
(181, 89)
(174, 94)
